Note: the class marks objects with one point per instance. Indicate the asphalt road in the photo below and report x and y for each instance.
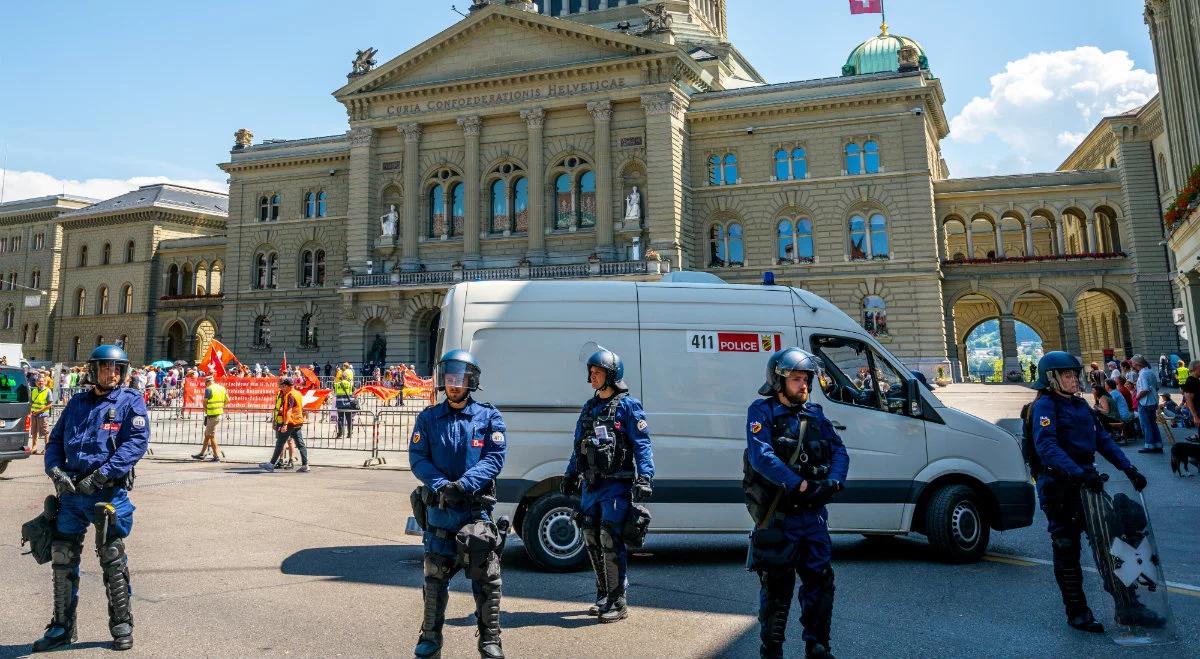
(227, 561)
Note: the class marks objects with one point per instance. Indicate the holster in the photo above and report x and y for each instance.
(769, 550)
(417, 499)
(478, 543)
(637, 524)
(39, 531)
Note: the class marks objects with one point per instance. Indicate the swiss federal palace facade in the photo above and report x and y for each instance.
(572, 139)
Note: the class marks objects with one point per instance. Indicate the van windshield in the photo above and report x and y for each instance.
(13, 388)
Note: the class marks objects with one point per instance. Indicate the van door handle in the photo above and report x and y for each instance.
(836, 425)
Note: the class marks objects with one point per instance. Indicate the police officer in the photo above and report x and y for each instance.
(795, 463)
(456, 450)
(611, 466)
(90, 457)
(1066, 437)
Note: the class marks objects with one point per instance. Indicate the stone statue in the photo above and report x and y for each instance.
(387, 222)
(242, 139)
(908, 59)
(658, 19)
(633, 205)
(378, 352)
(364, 61)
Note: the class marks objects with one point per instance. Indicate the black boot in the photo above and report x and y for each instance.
(1084, 621)
(817, 616)
(773, 616)
(816, 650)
(597, 559)
(435, 593)
(1069, 575)
(487, 614)
(614, 607)
(65, 554)
(115, 568)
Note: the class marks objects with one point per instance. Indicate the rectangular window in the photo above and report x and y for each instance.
(856, 374)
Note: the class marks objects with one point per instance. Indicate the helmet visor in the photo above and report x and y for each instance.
(457, 374)
(454, 380)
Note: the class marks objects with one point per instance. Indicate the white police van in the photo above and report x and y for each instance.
(695, 354)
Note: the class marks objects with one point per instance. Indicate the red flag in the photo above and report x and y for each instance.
(314, 398)
(866, 6)
(283, 365)
(217, 356)
(384, 393)
(310, 380)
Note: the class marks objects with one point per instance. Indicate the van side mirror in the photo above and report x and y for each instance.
(912, 391)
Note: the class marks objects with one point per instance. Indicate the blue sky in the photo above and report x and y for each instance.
(101, 97)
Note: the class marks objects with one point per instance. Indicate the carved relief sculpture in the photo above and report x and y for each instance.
(633, 205)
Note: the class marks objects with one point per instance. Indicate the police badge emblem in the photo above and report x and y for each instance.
(1045, 421)
(755, 427)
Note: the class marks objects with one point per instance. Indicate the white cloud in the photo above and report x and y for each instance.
(1043, 105)
(26, 184)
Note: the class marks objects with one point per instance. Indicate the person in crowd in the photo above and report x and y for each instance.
(1146, 395)
(1095, 375)
(1105, 406)
(1127, 393)
(1191, 394)
(215, 398)
(40, 400)
(289, 422)
(328, 368)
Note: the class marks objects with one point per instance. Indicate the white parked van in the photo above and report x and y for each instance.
(695, 354)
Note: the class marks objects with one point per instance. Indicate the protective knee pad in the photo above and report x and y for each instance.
(65, 554)
(773, 610)
(436, 592)
(488, 601)
(1068, 573)
(610, 549)
(115, 568)
(817, 616)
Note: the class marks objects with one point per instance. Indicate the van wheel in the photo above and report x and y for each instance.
(956, 525)
(3, 466)
(551, 536)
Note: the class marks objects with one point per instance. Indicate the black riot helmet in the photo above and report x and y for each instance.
(613, 367)
(458, 369)
(787, 361)
(107, 354)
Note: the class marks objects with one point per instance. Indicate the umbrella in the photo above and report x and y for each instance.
(162, 363)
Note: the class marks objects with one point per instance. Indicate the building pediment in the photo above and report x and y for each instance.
(497, 42)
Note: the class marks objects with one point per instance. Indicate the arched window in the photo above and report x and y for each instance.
(564, 202)
(574, 195)
(795, 241)
(266, 270)
(871, 157)
(723, 169)
(80, 302)
(322, 206)
(714, 170)
(308, 332)
(106, 254)
(34, 338)
(25, 333)
(83, 260)
(274, 207)
(102, 301)
(859, 249)
(587, 199)
(458, 209)
(783, 167)
(173, 280)
(310, 204)
(875, 316)
(790, 164)
(956, 239)
(262, 332)
(319, 277)
(853, 159)
(799, 163)
(307, 268)
(731, 169)
(879, 236)
(39, 241)
(130, 251)
(520, 205)
(868, 238)
(437, 212)
(9, 317)
(35, 279)
(127, 299)
(1012, 235)
(75, 349)
(726, 246)
(501, 221)
(264, 209)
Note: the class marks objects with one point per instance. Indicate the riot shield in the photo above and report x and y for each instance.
(1127, 558)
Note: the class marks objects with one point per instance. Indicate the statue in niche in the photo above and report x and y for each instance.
(378, 352)
(388, 221)
(633, 205)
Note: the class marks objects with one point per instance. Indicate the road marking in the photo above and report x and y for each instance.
(1176, 587)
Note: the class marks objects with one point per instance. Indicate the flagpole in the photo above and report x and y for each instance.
(883, 12)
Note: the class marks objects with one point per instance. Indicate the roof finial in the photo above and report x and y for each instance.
(883, 29)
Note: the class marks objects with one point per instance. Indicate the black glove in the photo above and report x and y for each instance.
(571, 485)
(94, 481)
(642, 489)
(820, 492)
(1135, 477)
(62, 481)
(453, 493)
(1092, 480)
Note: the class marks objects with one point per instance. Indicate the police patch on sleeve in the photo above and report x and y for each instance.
(139, 422)
(755, 427)
(642, 425)
(1045, 421)
(416, 438)
(497, 438)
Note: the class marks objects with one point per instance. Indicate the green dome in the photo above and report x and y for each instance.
(880, 54)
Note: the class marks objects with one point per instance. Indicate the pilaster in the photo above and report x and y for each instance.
(410, 261)
(471, 127)
(664, 157)
(535, 119)
(358, 206)
(601, 112)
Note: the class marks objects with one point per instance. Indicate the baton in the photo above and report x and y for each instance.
(106, 509)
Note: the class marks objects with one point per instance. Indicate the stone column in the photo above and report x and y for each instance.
(1028, 236)
(358, 203)
(1069, 331)
(1059, 239)
(970, 243)
(664, 157)
(471, 126)
(999, 240)
(956, 364)
(601, 112)
(1008, 345)
(1091, 235)
(410, 260)
(535, 119)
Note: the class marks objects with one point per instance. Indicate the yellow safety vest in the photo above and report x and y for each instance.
(343, 388)
(215, 399)
(39, 401)
(1181, 374)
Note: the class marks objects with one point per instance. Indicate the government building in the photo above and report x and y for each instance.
(614, 139)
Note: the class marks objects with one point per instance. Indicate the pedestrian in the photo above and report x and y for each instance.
(1119, 404)
(1066, 437)
(40, 400)
(457, 450)
(289, 423)
(1181, 373)
(328, 368)
(1146, 395)
(611, 468)
(1032, 371)
(795, 463)
(1191, 394)
(1096, 376)
(215, 398)
(1127, 393)
(93, 448)
(343, 392)
(1113, 370)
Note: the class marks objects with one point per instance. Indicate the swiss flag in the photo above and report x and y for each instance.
(217, 357)
(283, 365)
(311, 381)
(866, 6)
(314, 398)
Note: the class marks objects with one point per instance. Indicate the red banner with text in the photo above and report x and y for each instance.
(244, 393)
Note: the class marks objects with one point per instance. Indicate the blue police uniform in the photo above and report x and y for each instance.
(804, 528)
(606, 500)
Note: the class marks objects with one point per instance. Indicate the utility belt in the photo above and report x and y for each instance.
(123, 483)
(423, 498)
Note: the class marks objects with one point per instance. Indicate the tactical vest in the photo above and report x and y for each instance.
(604, 457)
(812, 463)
